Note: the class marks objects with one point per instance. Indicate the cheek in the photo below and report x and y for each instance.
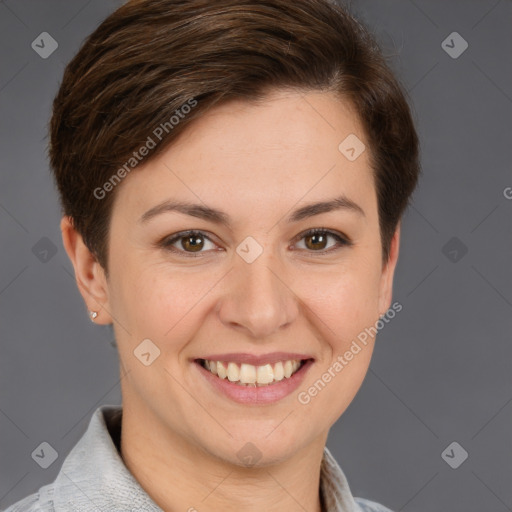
(155, 300)
(152, 294)
(345, 298)
(164, 300)
(345, 306)
(162, 306)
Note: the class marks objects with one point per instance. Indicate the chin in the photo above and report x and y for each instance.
(254, 448)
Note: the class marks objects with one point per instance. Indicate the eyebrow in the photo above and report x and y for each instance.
(217, 216)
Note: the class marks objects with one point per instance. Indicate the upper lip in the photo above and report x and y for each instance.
(256, 360)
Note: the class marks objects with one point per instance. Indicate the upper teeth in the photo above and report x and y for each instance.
(249, 374)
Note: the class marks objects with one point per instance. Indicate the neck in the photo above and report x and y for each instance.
(180, 475)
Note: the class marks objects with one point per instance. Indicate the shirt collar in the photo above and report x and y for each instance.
(94, 476)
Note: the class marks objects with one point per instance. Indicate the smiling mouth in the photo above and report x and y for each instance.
(250, 375)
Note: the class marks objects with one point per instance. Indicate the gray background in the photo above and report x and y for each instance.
(442, 369)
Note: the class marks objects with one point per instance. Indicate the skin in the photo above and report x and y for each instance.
(256, 163)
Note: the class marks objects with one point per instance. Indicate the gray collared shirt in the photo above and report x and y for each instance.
(94, 478)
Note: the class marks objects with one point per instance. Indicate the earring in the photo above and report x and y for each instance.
(93, 315)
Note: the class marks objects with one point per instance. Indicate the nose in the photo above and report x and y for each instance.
(257, 298)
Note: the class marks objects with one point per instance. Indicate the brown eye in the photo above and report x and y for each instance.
(188, 243)
(192, 242)
(316, 240)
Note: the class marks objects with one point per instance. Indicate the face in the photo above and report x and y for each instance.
(252, 280)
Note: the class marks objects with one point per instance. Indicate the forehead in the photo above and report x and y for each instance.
(287, 147)
(284, 121)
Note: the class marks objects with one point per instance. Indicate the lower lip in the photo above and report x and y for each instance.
(256, 395)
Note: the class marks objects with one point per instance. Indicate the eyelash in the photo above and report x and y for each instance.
(166, 243)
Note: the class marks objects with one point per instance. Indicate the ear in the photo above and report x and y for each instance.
(388, 271)
(89, 274)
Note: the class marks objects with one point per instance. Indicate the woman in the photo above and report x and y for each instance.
(232, 177)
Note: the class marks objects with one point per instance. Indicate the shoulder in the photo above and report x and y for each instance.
(31, 503)
(371, 506)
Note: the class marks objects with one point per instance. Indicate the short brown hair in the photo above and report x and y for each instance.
(149, 58)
